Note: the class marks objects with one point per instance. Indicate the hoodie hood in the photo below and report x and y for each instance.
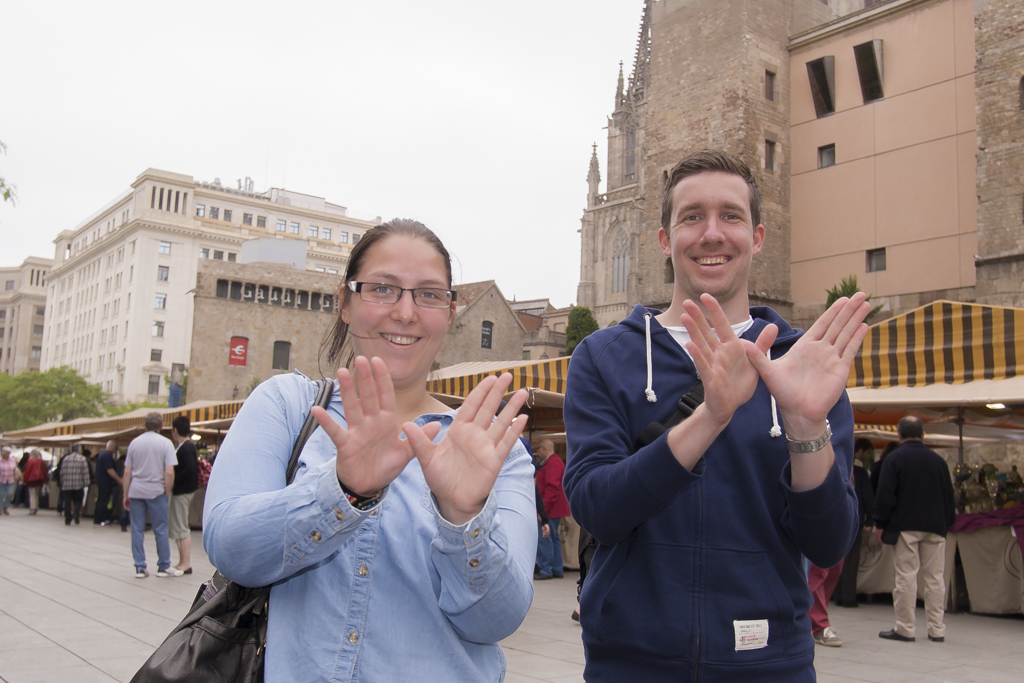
(642, 319)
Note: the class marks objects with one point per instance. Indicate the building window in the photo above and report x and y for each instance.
(204, 252)
(9, 285)
(214, 213)
(314, 231)
(164, 248)
(161, 301)
(261, 221)
(41, 310)
(200, 210)
(769, 85)
(155, 355)
(769, 155)
(282, 350)
(162, 273)
(223, 287)
(343, 237)
(282, 225)
(293, 228)
(876, 260)
(326, 233)
(319, 269)
(246, 219)
(218, 255)
(110, 261)
(158, 328)
(37, 330)
(332, 271)
(869, 68)
(154, 385)
(526, 355)
(620, 262)
(826, 156)
(227, 215)
(355, 238)
(37, 352)
(486, 333)
(822, 75)
(232, 256)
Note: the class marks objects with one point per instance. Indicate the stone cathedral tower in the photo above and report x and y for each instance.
(701, 78)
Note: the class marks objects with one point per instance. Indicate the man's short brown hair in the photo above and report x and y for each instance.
(710, 160)
(154, 422)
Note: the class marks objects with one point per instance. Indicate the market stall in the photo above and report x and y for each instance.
(954, 365)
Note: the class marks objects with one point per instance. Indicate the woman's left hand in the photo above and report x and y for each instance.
(462, 468)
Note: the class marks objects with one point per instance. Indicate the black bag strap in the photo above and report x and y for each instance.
(325, 389)
(684, 409)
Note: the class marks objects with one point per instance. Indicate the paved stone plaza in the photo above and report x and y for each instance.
(71, 610)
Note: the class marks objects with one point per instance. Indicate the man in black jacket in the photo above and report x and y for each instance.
(914, 509)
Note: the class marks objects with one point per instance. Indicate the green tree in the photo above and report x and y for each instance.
(6, 189)
(32, 398)
(114, 410)
(253, 383)
(848, 287)
(581, 323)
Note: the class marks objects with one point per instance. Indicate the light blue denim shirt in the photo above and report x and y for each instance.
(392, 594)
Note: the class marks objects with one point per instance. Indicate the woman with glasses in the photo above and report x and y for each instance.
(404, 547)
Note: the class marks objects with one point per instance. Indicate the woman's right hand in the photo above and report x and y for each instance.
(370, 452)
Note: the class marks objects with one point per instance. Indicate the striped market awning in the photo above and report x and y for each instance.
(460, 379)
(945, 342)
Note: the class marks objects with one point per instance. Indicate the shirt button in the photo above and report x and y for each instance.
(474, 563)
(363, 571)
(339, 514)
(476, 532)
(353, 637)
(315, 536)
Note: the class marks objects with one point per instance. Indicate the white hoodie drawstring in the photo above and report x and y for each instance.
(651, 396)
(776, 430)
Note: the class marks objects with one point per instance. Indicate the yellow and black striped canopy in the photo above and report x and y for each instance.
(945, 342)
(459, 380)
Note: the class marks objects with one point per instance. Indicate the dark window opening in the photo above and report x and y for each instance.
(869, 68)
(822, 75)
(155, 355)
(876, 260)
(486, 333)
(223, 287)
(236, 291)
(769, 85)
(154, 385)
(826, 156)
(670, 272)
(769, 155)
(282, 350)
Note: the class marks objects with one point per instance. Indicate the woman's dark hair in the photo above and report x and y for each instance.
(182, 425)
(334, 342)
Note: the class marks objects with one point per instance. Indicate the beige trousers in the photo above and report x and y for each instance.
(924, 552)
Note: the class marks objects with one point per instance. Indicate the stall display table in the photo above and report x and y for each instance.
(990, 551)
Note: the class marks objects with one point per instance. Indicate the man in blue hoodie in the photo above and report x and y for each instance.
(698, 575)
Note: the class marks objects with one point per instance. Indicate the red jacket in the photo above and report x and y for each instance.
(549, 483)
(35, 472)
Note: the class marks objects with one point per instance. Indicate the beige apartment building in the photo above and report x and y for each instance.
(120, 295)
(887, 137)
(23, 314)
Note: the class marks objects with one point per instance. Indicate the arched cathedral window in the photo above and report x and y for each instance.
(620, 262)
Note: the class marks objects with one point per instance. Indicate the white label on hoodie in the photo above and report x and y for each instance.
(751, 635)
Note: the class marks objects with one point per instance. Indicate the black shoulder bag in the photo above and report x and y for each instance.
(224, 634)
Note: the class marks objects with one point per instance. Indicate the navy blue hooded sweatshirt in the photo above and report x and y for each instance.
(682, 555)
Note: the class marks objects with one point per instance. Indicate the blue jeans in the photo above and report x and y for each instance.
(157, 509)
(549, 551)
(6, 495)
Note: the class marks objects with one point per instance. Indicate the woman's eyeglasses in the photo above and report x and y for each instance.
(380, 293)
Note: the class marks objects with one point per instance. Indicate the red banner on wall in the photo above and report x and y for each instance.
(238, 352)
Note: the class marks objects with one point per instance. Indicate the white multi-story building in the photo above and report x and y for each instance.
(22, 310)
(119, 296)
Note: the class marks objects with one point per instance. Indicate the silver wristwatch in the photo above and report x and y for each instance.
(810, 446)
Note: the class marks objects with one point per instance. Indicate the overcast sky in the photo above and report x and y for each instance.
(475, 117)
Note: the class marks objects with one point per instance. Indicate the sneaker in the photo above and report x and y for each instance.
(141, 573)
(170, 571)
(827, 637)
